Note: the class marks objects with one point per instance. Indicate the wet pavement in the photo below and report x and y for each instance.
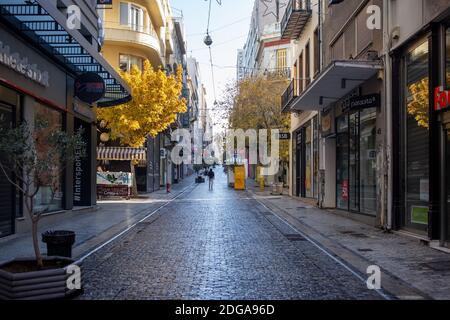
(219, 244)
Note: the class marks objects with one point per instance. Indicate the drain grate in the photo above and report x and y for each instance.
(365, 250)
(295, 237)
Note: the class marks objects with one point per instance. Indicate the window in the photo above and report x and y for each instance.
(416, 128)
(300, 73)
(447, 73)
(316, 52)
(132, 16)
(281, 59)
(126, 61)
(308, 64)
(364, 35)
(337, 49)
(136, 18)
(350, 41)
(51, 194)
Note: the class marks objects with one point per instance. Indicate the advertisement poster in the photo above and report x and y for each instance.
(114, 178)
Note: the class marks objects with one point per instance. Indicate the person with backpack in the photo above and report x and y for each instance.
(211, 179)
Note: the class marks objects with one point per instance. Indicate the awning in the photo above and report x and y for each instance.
(121, 154)
(335, 82)
(44, 26)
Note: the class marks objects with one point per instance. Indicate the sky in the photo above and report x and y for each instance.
(229, 27)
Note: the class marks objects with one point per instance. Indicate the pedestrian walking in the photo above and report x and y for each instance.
(211, 179)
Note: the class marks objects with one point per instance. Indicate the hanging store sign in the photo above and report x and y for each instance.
(21, 65)
(89, 87)
(364, 102)
(284, 136)
(441, 98)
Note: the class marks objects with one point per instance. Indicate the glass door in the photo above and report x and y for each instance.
(6, 190)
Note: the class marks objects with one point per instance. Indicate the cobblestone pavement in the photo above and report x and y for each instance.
(219, 244)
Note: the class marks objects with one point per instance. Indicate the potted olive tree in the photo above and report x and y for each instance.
(34, 159)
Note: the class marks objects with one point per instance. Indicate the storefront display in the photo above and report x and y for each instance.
(356, 161)
(307, 159)
(114, 184)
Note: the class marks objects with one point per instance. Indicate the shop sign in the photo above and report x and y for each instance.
(441, 98)
(284, 136)
(78, 179)
(89, 87)
(364, 102)
(20, 65)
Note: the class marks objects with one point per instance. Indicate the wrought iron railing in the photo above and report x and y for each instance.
(290, 94)
(293, 6)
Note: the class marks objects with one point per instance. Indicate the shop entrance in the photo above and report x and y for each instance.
(6, 190)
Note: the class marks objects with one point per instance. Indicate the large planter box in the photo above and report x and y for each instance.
(37, 285)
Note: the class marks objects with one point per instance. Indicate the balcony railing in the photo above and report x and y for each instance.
(279, 72)
(289, 95)
(295, 18)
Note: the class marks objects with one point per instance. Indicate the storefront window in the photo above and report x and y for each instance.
(356, 162)
(308, 161)
(448, 57)
(316, 157)
(417, 141)
(368, 161)
(50, 196)
(342, 155)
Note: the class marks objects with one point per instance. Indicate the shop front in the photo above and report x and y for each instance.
(306, 150)
(422, 123)
(337, 162)
(39, 72)
(356, 154)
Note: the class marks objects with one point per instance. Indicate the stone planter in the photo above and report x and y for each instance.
(36, 285)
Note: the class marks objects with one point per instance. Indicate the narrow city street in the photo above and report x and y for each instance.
(219, 244)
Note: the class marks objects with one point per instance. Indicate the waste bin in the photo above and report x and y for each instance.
(277, 189)
(59, 243)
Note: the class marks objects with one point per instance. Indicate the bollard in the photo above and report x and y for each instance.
(261, 184)
(168, 188)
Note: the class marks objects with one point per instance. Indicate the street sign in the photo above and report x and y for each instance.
(285, 136)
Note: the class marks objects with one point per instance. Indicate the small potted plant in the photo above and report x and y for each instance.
(35, 159)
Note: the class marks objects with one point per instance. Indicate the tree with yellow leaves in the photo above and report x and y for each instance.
(155, 105)
(254, 103)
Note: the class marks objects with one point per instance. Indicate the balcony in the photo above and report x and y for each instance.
(140, 37)
(289, 95)
(295, 18)
(279, 72)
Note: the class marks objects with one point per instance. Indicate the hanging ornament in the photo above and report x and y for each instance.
(208, 40)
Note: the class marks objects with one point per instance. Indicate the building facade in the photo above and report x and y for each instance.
(338, 149)
(380, 102)
(136, 31)
(39, 65)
